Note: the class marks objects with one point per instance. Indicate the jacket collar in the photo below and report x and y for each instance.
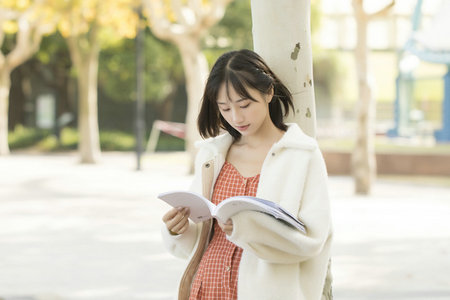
(294, 137)
(218, 144)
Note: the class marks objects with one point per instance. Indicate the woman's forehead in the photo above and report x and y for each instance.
(227, 93)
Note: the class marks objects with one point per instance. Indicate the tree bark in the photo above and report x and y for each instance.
(282, 36)
(5, 86)
(86, 64)
(363, 156)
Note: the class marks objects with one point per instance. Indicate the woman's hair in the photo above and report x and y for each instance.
(241, 69)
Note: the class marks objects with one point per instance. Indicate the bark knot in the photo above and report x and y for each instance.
(294, 54)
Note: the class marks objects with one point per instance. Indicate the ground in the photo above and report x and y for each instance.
(72, 231)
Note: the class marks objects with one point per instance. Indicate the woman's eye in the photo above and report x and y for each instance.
(225, 109)
(245, 106)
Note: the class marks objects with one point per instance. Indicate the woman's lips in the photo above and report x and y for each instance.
(242, 128)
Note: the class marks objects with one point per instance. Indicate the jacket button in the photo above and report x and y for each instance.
(273, 153)
(207, 165)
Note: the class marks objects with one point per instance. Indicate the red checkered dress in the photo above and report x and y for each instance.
(217, 274)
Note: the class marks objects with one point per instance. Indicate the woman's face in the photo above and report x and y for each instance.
(245, 115)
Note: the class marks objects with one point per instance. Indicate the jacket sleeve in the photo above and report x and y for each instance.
(273, 241)
(183, 245)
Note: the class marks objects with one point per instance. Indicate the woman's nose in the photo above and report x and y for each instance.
(237, 116)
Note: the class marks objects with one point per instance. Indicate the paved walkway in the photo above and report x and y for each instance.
(73, 232)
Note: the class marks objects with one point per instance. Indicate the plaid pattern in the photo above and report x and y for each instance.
(217, 274)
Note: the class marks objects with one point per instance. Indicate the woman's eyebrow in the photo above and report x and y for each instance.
(237, 101)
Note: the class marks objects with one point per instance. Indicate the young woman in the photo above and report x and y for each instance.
(252, 255)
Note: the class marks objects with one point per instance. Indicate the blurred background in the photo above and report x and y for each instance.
(45, 96)
(104, 83)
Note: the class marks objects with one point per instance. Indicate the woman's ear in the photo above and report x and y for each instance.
(270, 94)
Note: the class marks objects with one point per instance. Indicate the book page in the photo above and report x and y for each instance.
(226, 210)
(233, 205)
(199, 206)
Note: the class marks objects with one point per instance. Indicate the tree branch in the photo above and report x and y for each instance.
(92, 33)
(5, 14)
(382, 12)
(180, 14)
(202, 18)
(216, 13)
(360, 14)
(159, 25)
(196, 6)
(8, 14)
(29, 35)
(358, 8)
(39, 32)
(20, 53)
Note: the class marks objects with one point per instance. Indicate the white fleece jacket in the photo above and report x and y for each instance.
(278, 262)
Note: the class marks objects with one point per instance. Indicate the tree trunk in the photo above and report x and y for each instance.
(5, 86)
(193, 19)
(86, 63)
(282, 36)
(27, 41)
(196, 72)
(363, 157)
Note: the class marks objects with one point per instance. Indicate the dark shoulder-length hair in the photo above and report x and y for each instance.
(241, 70)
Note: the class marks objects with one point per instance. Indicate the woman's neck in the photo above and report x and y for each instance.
(268, 134)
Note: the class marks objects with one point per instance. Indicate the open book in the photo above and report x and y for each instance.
(202, 209)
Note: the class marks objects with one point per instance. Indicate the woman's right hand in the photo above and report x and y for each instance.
(177, 220)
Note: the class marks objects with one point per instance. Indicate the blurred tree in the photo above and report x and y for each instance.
(327, 72)
(22, 25)
(363, 156)
(50, 69)
(89, 25)
(184, 23)
(117, 72)
(234, 31)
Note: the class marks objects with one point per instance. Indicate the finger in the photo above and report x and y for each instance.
(187, 211)
(170, 215)
(184, 228)
(228, 228)
(174, 221)
(224, 227)
(174, 212)
(178, 228)
(180, 216)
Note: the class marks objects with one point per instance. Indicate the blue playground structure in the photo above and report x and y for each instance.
(431, 44)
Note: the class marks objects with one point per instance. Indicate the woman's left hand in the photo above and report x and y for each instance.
(226, 227)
